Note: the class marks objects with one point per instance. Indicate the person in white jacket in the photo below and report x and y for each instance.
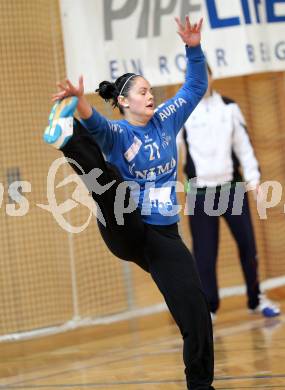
(217, 145)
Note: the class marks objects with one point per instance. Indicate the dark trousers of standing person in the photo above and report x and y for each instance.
(160, 251)
(205, 235)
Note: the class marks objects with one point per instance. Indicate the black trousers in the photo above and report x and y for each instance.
(205, 234)
(160, 251)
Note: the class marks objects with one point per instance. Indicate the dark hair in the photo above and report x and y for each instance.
(111, 91)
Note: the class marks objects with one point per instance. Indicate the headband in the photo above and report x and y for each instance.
(128, 79)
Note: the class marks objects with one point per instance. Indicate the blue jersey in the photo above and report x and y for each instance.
(147, 155)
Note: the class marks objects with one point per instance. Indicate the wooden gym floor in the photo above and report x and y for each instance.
(145, 354)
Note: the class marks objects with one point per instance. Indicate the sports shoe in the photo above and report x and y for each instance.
(266, 307)
(60, 128)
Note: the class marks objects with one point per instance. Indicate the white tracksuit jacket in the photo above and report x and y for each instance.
(217, 142)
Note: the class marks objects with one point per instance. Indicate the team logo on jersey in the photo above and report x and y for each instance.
(165, 140)
(147, 138)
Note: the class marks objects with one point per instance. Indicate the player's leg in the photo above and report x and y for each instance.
(242, 230)
(82, 152)
(205, 238)
(174, 271)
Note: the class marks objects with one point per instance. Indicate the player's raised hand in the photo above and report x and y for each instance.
(190, 34)
(68, 89)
